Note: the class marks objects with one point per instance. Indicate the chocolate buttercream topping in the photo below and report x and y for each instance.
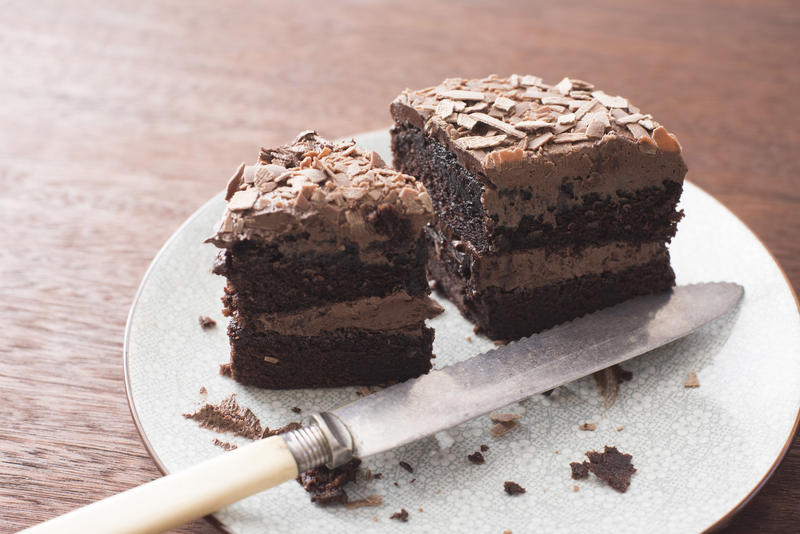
(394, 312)
(515, 122)
(322, 191)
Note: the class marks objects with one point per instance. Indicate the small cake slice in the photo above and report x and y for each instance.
(551, 201)
(324, 256)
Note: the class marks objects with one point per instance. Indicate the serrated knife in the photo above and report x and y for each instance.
(409, 411)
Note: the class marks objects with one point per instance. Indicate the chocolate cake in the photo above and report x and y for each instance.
(551, 201)
(324, 256)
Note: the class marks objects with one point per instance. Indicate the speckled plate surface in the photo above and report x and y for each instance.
(700, 453)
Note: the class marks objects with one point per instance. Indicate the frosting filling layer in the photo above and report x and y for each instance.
(398, 311)
(537, 267)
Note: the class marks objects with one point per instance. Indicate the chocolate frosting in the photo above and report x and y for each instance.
(529, 269)
(321, 192)
(518, 133)
(398, 311)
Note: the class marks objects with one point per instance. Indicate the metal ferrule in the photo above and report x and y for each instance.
(322, 440)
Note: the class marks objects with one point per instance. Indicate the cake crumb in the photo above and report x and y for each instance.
(295, 409)
(484, 448)
(375, 518)
(512, 488)
(575, 488)
(620, 428)
(203, 390)
(406, 466)
(368, 475)
(612, 467)
(469, 338)
(438, 491)
(501, 428)
(206, 322)
(579, 471)
(691, 381)
(225, 369)
(500, 342)
(420, 509)
(476, 458)
(326, 486)
(402, 515)
(590, 427)
(377, 476)
(372, 500)
(507, 531)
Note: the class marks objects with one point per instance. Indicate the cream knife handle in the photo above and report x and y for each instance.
(180, 497)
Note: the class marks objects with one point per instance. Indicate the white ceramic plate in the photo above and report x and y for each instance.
(700, 453)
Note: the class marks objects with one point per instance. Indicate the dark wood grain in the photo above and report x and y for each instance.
(118, 119)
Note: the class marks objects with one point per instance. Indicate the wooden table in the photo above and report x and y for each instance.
(118, 119)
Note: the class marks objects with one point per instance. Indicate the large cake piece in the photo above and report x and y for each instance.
(551, 201)
(324, 256)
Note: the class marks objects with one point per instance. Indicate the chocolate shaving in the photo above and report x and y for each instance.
(497, 123)
(691, 381)
(445, 108)
(224, 444)
(610, 101)
(372, 500)
(484, 448)
(596, 129)
(502, 428)
(504, 104)
(584, 108)
(608, 381)
(465, 121)
(531, 126)
(536, 142)
(406, 466)
(564, 86)
(504, 417)
(225, 369)
(477, 142)
(570, 138)
(234, 182)
(456, 94)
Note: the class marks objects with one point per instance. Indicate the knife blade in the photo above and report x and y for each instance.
(409, 411)
(458, 393)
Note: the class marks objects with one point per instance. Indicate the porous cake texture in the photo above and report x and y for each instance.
(551, 201)
(324, 255)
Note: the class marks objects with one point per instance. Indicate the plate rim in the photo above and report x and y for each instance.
(721, 522)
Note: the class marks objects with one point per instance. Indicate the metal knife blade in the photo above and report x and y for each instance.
(457, 393)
